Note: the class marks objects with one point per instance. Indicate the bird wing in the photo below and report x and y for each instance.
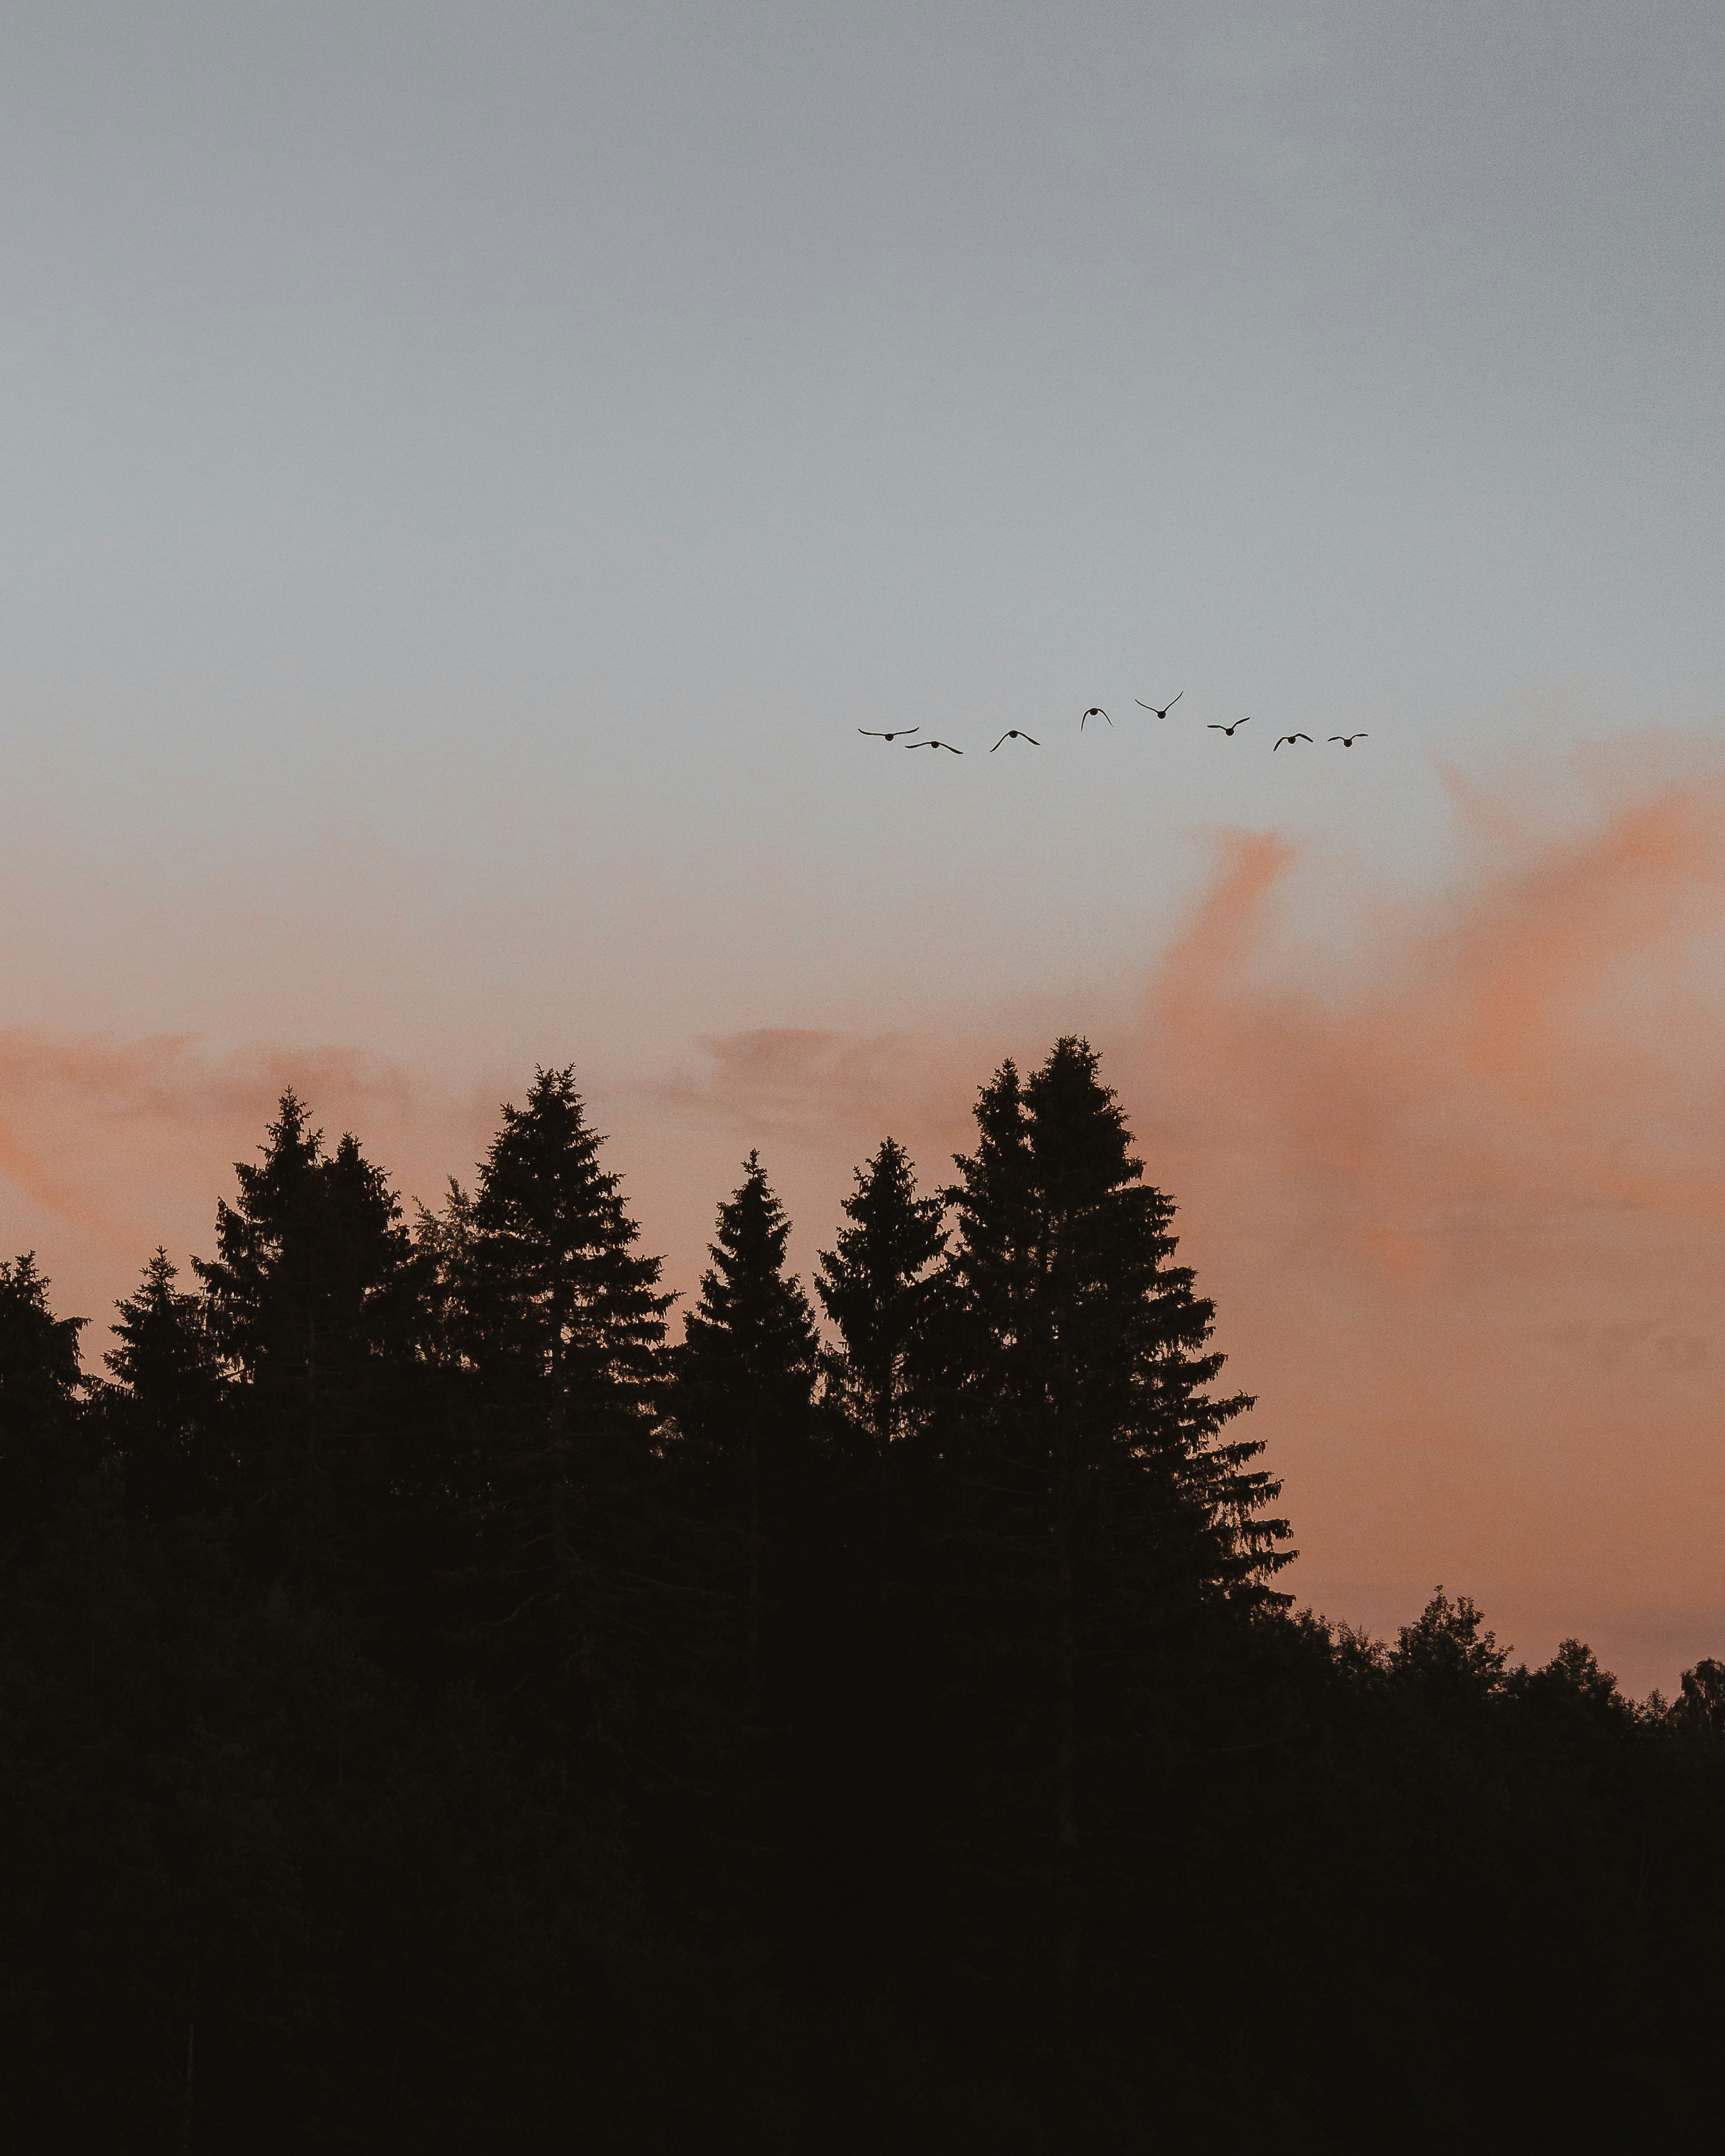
(872, 735)
(950, 750)
(1170, 704)
(1004, 738)
(1032, 739)
(1143, 707)
(1216, 728)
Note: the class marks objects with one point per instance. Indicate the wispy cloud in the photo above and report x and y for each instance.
(1455, 1176)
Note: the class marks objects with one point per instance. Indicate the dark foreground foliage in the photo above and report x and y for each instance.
(439, 1711)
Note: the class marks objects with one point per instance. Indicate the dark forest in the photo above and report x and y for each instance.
(453, 1699)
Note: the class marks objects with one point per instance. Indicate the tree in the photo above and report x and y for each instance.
(1102, 1508)
(310, 1302)
(880, 1288)
(163, 1414)
(1092, 1362)
(1449, 1657)
(41, 1389)
(884, 1288)
(559, 1323)
(1701, 1703)
(743, 1391)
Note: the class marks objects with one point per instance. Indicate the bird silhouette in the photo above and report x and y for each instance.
(1216, 729)
(1012, 733)
(932, 743)
(1348, 741)
(1166, 708)
(1095, 711)
(1293, 738)
(893, 735)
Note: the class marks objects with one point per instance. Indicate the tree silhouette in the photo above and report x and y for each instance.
(433, 1713)
(558, 1322)
(166, 1413)
(1448, 1654)
(742, 1392)
(1104, 1509)
(309, 1301)
(41, 1389)
(1701, 1702)
(881, 1287)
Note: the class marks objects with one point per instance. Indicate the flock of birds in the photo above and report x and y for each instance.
(1095, 711)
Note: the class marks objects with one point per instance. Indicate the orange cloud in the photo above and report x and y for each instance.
(1456, 1180)
(1463, 1215)
(1458, 1189)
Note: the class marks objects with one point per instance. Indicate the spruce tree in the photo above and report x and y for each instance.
(41, 1399)
(881, 1289)
(310, 1300)
(1092, 1361)
(164, 1414)
(743, 1393)
(558, 1322)
(1101, 1507)
(884, 1290)
(309, 1267)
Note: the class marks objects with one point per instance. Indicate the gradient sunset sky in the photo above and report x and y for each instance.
(470, 470)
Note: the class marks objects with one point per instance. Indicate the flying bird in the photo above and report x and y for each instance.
(1293, 738)
(1095, 711)
(932, 743)
(1216, 729)
(1348, 741)
(1166, 708)
(1012, 733)
(893, 735)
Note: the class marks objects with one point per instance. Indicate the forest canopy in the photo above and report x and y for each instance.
(452, 1697)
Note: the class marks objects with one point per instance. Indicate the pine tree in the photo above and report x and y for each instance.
(41, 1389)
(881, 1289)
(558, 1323)
(743, 1393)
(164, 1414)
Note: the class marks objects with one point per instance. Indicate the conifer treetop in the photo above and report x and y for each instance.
(749, 1314)
(549, 1249)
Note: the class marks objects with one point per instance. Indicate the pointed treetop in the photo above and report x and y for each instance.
(546, 1249)
(879, 1286)
(309, 1253)
(750, 1315)
(153, 1320)
(541, 1175)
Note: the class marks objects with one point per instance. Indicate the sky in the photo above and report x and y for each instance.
(467, 473)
